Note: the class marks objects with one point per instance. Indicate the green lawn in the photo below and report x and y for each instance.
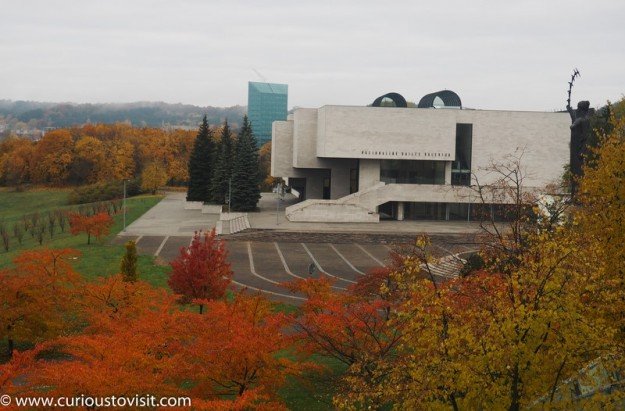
(15, 204)
(314, 391)
(97, 259)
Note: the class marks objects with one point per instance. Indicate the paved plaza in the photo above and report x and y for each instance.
(268, 255)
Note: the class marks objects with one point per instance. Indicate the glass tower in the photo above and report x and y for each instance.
(266, 103)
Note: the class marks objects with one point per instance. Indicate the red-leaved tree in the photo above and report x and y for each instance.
(97, 225)
(201, 271)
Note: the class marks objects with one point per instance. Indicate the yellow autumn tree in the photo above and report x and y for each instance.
(154, 176)
(16, 161)
(513, 335)
(601, 219)
(121, 163)
(89, 159)
(54, 156)
(497, 340)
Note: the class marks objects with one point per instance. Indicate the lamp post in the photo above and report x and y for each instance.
(280, 197)
(229, 194)
(124, 205)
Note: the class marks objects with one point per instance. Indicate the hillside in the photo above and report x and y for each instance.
(25, 117)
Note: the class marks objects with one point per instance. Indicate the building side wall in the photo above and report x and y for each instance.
(386, 133)
(305, 139)
(541, 138)
(282, 149)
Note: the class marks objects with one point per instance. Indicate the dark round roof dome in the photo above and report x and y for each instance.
(443, 98)
(397, 98)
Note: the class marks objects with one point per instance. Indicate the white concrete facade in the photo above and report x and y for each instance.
(321, 151)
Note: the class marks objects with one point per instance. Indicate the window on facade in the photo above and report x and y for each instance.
(353, 180)
(461, 167)
(412, 172)
(326, 188)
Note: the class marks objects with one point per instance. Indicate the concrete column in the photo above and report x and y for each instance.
(339, 182)
(400, 211)
(446, 211)
(368, 173)
(314, 184)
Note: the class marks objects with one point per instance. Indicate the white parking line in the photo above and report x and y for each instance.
(321, 268)
(267, 291)
(370, 255)
(160, 247)
(253, 269)
(346, 260)
(286, 267)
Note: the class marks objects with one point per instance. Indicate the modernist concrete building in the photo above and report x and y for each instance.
(266, 103)
(361, 164)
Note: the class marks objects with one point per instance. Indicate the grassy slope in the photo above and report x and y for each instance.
(99, 258)
(314, 392)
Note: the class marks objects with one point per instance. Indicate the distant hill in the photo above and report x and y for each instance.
(32, 115)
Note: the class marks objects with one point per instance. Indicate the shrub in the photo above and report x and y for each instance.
(104, 191)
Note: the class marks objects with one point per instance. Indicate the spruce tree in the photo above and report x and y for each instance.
(129, 263)
(200, 165)
(245, 175)
(223, 166)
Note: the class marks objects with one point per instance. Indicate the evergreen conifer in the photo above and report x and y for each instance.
(223, 166)
(245, 174)
(201, 165)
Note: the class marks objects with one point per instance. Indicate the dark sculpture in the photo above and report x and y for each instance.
(448, 97)
(580, 132)
(397, 99)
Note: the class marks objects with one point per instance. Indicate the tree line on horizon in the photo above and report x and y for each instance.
(24, 115)
(104, 153)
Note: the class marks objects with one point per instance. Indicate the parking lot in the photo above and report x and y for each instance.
(263, 265)
(270, 254)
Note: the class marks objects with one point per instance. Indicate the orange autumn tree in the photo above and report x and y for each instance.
(111, 301)
(238, 347)
(201, 271)
(36, 297)
(97, 225)
(357, 329)
(227, 358)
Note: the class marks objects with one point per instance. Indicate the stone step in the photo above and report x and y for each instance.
(211, 209)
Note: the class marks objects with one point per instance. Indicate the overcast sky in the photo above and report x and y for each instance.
(495, 54)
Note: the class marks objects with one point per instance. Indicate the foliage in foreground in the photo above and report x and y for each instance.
(137, 339)
(516, 333)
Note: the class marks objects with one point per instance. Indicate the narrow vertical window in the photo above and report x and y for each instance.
(461, 167)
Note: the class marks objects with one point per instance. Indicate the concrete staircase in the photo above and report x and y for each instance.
(344, 209)
(230, 223)
(361, 206)
(448, 267)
